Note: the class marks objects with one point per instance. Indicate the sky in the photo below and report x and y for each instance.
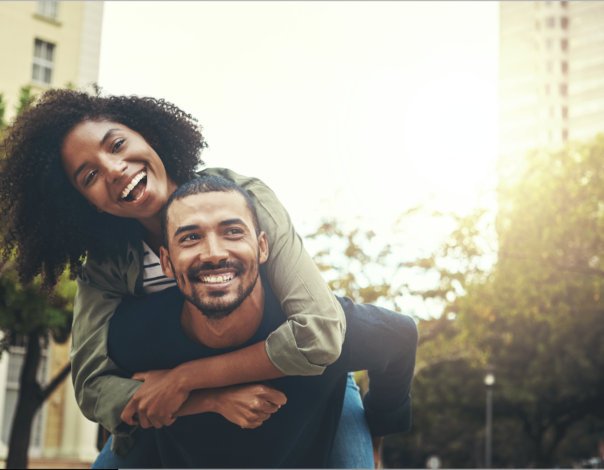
(346, 109)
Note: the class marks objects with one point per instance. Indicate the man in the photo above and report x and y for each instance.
(214, 249)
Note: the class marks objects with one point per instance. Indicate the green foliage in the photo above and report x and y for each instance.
(536, 314)
(2, 111)
(26, 309)
(357, 268)
(25, 99)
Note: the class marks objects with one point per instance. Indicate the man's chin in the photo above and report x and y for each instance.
(218, 309)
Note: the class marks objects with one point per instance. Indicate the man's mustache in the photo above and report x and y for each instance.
(208, 266)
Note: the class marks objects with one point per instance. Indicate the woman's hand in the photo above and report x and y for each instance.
(248, 405)
(157, 400)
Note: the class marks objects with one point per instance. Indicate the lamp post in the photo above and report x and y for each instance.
(489, 380)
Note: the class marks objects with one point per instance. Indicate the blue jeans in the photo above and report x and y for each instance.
(351, 447)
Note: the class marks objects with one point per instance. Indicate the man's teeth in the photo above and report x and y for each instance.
(217, 279)
(133, 183)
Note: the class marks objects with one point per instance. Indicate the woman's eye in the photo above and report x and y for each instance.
(90, 176)
(118, 144)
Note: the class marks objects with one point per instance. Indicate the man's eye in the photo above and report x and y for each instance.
(190, 237)
(234, 231)
(90, 176)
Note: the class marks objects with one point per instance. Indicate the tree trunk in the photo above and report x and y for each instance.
(29, 402)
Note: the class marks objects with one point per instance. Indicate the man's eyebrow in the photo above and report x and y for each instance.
(234, 221)
(78, 171)
(107, 135)
(185, 228)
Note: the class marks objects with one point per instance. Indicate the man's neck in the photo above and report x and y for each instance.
(228, 332)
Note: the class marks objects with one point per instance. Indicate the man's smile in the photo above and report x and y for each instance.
(217, 278)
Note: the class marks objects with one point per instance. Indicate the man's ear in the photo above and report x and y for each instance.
(164, 260)
(100, 211)
(262, 248)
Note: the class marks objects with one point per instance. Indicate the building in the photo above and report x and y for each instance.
(551, 76)
(47, 44)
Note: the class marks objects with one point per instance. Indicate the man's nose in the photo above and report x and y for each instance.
(214, 251)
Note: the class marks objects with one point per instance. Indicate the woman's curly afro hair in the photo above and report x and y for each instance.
(45, 222)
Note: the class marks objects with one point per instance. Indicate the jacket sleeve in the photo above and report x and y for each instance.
(314, 332)
(384, 343)
(102, 389)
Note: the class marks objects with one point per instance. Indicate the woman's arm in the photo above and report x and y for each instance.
(313, 335)
(246, 405)
(102, 389)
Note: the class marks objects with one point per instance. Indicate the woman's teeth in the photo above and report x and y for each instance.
(217, 279)
(133, 183)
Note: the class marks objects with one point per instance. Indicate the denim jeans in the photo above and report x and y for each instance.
(351, 447)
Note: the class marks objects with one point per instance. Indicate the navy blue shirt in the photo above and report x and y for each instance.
(145, 334)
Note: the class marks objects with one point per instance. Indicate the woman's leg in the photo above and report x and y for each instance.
(142, 455)
(352, 446)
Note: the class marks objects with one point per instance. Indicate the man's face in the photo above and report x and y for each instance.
(214, 252)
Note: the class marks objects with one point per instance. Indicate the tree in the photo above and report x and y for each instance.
(521, 290)
(34, 316)
(536, 314)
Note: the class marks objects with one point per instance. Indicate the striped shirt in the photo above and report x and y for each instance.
(154, 279)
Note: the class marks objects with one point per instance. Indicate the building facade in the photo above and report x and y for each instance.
(46, 45)
(551, 75)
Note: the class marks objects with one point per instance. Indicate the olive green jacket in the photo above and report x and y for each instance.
(311, 338)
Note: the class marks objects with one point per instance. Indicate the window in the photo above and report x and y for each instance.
(549, 44)
(550, 22)
(563, 89)
(564, 44)
(48, 10)
(564, 135)
(564, 112)
(564, 22)
(563, 4)
(43, 62)
(550, 67)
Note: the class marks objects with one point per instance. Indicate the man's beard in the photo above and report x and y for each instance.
(218, 310)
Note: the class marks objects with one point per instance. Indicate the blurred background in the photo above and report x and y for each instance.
(440, 158)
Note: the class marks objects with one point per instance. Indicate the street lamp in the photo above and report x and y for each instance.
(489, 380)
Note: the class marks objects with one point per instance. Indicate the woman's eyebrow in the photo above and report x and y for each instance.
(78, 171)
(107, 135)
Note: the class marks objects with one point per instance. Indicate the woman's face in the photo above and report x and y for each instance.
(116, 170)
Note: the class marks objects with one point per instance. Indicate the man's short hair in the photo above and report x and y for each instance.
(207, 184)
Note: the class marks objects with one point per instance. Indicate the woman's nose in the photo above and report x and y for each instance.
(115, 168)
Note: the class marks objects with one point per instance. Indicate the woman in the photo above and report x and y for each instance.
(87, 176)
